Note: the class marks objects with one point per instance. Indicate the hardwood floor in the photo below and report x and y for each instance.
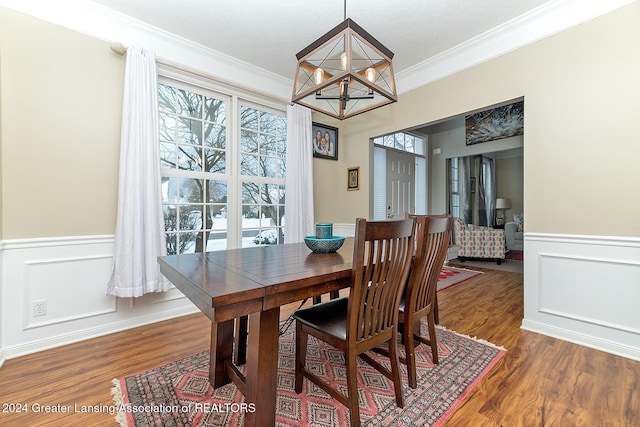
(540, 381)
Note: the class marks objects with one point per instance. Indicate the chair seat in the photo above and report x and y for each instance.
(329, 317)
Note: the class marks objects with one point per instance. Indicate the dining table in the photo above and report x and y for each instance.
(231, 284)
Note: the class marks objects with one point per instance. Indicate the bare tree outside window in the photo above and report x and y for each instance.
(194, 157)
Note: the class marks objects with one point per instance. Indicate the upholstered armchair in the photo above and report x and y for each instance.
(478, 242)
(513, 232)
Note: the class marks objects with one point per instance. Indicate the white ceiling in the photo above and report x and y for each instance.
(268, 33)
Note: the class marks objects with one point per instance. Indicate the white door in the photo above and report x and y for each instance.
(400, 184)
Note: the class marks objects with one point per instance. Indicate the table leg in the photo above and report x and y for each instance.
(262, 368)
(240, 341)
(221, 350)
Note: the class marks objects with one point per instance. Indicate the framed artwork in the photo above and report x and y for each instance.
(325, 141)
(497, 123)
(353, 178)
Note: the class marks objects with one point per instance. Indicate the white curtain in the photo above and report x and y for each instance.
(140, 235)
(298, 206)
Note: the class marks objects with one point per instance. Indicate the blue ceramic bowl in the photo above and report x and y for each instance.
(324, 246)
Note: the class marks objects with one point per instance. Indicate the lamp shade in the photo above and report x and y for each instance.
(503, 204)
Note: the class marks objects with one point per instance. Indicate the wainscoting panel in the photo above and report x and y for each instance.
(55, 280)
(584, 289)
(67, 278)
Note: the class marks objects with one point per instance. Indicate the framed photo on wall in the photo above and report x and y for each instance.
(353, 178)
(325, 141)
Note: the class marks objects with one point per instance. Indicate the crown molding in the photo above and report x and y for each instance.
(546, 20)
(105, 24)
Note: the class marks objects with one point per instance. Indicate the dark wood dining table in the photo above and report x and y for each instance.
(256, 281)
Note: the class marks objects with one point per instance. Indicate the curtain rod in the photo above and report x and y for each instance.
(121, 50)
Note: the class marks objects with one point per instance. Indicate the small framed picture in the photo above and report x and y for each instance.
(353, 178)
(325, 141)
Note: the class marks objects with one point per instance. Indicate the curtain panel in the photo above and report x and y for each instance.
(298, 206)
(140, 236)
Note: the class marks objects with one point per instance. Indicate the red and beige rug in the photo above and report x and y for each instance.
(516, 255)
(178, 393)
(450, 276)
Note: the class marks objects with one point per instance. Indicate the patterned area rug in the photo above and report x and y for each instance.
(513, 254)
(178, 393)
(450, 276)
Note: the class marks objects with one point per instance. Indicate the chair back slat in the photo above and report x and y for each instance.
(433, 234)
(382, 258)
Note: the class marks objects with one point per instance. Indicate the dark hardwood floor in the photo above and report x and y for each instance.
(540, 381)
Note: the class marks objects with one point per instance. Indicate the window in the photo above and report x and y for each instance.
(262, 166)
(454, 183)
(205, 180)
(402, 141)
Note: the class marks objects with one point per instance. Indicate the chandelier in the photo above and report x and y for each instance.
(345, 72)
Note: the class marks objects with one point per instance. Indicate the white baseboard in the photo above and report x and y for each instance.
(583, 339)
(94, 332)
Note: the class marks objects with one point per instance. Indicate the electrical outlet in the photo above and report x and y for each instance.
(40, 308)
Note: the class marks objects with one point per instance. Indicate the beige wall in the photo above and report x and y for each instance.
(61, 104)
(509, 184)
(581, 147)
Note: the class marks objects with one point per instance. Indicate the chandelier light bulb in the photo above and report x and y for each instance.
(371, 74)
(318, 75)
(343, 60)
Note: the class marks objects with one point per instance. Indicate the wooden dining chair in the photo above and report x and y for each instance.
(368, 316)
(419, 300)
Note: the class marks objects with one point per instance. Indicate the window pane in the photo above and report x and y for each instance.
(268, 145)
(190, 158)
(191, 190)
(190, 217)
(249, 165)
(190, 104)
(189, 131)
(270, 166)
(217, 191)
(267, 122)
(168, 156)
(167, 125)
(248, 118)
(166, 98)
(215, 136)
(215, 161)
(215, 110)
(249, 142)
(250, 193)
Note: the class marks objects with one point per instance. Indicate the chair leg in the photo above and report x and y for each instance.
(432, 337)
(352, 389)
(410, 350)
(301, 355)
(395, 370)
